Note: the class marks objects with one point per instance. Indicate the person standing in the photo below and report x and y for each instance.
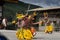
(4, 23)
(49, 28)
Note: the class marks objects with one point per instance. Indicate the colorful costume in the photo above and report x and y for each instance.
(24, 34)
(49, 29)
(33, 31)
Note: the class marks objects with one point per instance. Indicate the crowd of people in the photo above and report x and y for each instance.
(25, 25)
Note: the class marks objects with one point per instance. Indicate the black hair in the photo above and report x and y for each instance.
(2, 37)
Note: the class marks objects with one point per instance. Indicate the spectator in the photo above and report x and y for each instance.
(2, 37)
(4, 22)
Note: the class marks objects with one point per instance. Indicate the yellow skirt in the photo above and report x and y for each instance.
(24, 34)
(49, 28)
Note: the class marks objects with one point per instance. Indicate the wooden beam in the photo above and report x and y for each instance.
(12, 1)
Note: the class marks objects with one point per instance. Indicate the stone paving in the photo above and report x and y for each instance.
(10, 34)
